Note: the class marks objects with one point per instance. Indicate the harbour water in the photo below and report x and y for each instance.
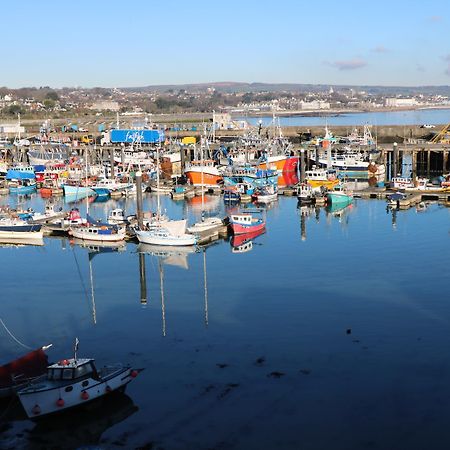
(332, 331)
(413, 117)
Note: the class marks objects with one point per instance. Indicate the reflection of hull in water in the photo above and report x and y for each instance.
(5, 241)
(238, 240)
(99, 246)
(86, 429)
(336, 209)
(210, 203)
(243, 248)
(175, 256)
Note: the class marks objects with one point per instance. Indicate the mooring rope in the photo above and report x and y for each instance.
(15, 339)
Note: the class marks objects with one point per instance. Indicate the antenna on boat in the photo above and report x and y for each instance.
(75, 349)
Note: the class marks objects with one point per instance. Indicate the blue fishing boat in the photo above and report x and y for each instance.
(102, 193)
(74, 193)
(21, 182)
(250, 176)
(339, 197)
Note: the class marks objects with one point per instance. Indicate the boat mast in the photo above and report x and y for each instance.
(158, 207)
(205, 286)
(86, 179)
(163, 308)
(91, 277)
(202, 149)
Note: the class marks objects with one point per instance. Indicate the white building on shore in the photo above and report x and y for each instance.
(400, 102)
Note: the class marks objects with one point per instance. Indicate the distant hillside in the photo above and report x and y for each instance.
(231, 86)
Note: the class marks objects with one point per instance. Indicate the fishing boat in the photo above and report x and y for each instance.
(206, 223)
(305, 193)
(21, 182)
(70, 383)
(18, 373)
(211, 175)
(44, 156)
(340, 196)
(111, 185)
(231, 194)
(77, 192)
(318, 178)
(162, 231)
(395, 199)
(50, 214)
(170, 233)
(94, 230)
(266, 194)
(117, 216)
(19, 229)
(246, 222)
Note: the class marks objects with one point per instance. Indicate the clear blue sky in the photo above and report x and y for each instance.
(143, 42)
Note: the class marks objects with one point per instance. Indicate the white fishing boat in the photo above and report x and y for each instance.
(305, 193)
(95, 230)
(206, 223)
(112, 185)
(14, 228)
(70, 383)
(117, 216)
(266, 194)
(50, 214)
(161, 231)
(170, 233)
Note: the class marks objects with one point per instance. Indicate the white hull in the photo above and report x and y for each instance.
(47, 401)
(20, 235)
(21, 241)
(208, 223)
(85, 234)
(266, 198)
(155, 237)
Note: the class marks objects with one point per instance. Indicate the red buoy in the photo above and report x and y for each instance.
(36, 409)
(84, 395)
(60, 402)
(134, 373)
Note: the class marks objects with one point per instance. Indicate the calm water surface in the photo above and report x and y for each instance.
(333, 331)
(414, 117)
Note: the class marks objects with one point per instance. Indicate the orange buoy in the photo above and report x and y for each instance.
(60, 402)
(84, 395)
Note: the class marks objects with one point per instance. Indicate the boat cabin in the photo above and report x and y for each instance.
(320, 174)
(71, 369)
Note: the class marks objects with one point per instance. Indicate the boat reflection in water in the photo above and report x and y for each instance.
(21, 242)
(98, 246)
(78, 428)
(174, 256)
(242, 243)
(307, 211)
(339, 212)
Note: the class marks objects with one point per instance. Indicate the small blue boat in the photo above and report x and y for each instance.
(102, 193)
(74, 193)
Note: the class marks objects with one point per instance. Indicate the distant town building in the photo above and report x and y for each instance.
(314, 105)
(400, 102)
(223, 121)
(104, 105)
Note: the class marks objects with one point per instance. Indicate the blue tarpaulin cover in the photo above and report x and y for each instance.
(18, 175)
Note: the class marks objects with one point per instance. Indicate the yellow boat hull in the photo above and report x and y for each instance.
(329, 184)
